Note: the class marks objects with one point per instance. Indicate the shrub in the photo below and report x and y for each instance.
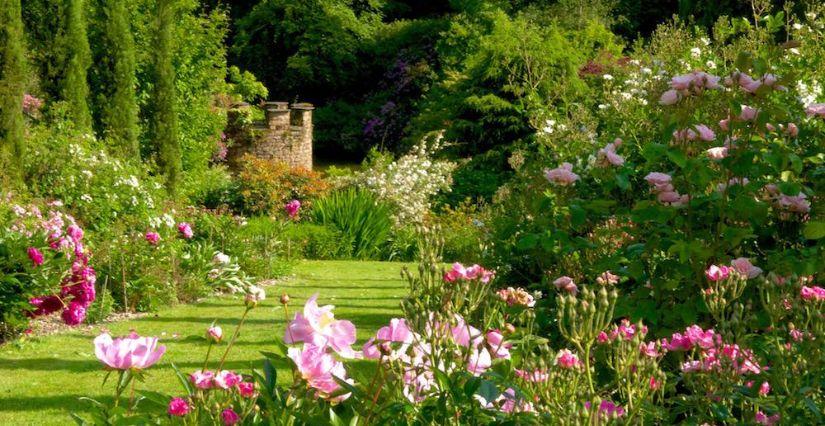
(266, 185)
(317, 242)
(363, 221)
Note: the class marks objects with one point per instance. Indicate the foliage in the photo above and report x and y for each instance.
(312, 241)
(265, 186)
(363, 221)
(409, 183)
(121, 111)
(74, 86)
(12, 80)
(164, 122)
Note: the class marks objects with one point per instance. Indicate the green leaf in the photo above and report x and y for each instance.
(814, 230)
(527, 242)
(183, 380)
(334, 420)
(677, 157)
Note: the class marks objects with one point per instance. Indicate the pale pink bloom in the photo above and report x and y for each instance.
(418, 385)
(227, 379)
(745, 267)
(178, 407)
(794, 203)
(764, 389)
(691, 366)
(717, 153)
(480, 360)
(793, 130)
(669, 197)
(464, 334)
(724, 124)
(670, 97)
(817, 110)
(125, 353)
(507, 402)
(214, 333)
(607, 278)
(318, 326)
(202, 379)
(500, 348)
(649, 349)
(716, 273)
(765, 420)
(458, 271)
(658, 180)
(254, 295)
(516, 297)
(567, 359)
(705, 133)
(230, 417)
(815, 293)
(397, 331)
(732, 181)
(319, 369)
(681, 82)
(607, 155)
(565, 283)
(770, 127)
(704, 339)
(562, 175)
(748, 113)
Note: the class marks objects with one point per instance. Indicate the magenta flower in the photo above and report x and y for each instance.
(319, 369)
(318, 326)
(133, 352)
(567, 359)
(247, 389)
(764, 389)
(75, 233)
(717, 273)
(202, 379)
(35, 256)
(230, 417)
(227, 379)
(74, 314)
(293, 208)
(45, 305)
(185, 230)
(152, 238)
(460, 272)
(814, 293)
(178, 407)
(765, 420)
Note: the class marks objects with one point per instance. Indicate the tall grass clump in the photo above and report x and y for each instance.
(364, 222)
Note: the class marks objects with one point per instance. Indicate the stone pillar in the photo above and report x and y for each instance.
(277, 116)
(302, 147)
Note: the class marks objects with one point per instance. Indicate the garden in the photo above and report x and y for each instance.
(340, 212)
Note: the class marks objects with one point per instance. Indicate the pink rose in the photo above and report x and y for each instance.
(35, 256)
(562, 175)
(744, 267)
(292, 208)
(717, 153)
(230, 417)
(178, 407)
(247, 389)
(567, 359)
(227, 379)
(565, 283)
(716, 273)
(670, 97)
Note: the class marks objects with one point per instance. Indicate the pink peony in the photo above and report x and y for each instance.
(607, 155)
(133, 352)
(230, 417)
(495, 340)
(717, 153)
(227, 379)
(185, 230)
(247, 389)
(744, 267)
(562, 175)
(214, 333)
(35, 256)
(292, 208)
(202, 379)
(717, 273)
(480, 360)
(318, 326)
(567, 359)
(178, 407)
(152, 238)
(815, 293)
(319, 369)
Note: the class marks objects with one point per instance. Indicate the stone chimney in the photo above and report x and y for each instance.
(277, 116)
(302, 146)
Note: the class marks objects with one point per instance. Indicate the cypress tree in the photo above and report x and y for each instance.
(75, 87)
(164, 119)
(12, 85)
(120, 115)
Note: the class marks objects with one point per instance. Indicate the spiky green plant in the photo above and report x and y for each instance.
(364, 222)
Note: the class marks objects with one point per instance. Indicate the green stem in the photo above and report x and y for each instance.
(234, 337)
(208, 351)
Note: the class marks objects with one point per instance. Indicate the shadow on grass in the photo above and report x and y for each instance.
(69, 403)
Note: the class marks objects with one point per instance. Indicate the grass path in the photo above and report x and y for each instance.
(40, 381)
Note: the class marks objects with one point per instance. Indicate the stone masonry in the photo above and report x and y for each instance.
(284, 135)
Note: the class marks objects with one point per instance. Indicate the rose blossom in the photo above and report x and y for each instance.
(565, 283)
(292, 208)
(152, 238)
(717, 273)
(744, 267)
(567, 359)
(35, 256)
(247, 389)
(562, 175)
(227, 379)
(230, 417)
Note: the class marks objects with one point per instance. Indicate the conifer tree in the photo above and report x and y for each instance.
(75, 86)
(164, 119)
(12, 85)
(120, 114)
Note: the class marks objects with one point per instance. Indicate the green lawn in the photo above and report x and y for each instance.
(41, 381)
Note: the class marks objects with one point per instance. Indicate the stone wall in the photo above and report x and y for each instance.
(284, 135)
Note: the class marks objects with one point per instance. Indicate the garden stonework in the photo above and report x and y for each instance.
(284, 135)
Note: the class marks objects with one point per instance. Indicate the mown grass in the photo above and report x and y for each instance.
(42, 379)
